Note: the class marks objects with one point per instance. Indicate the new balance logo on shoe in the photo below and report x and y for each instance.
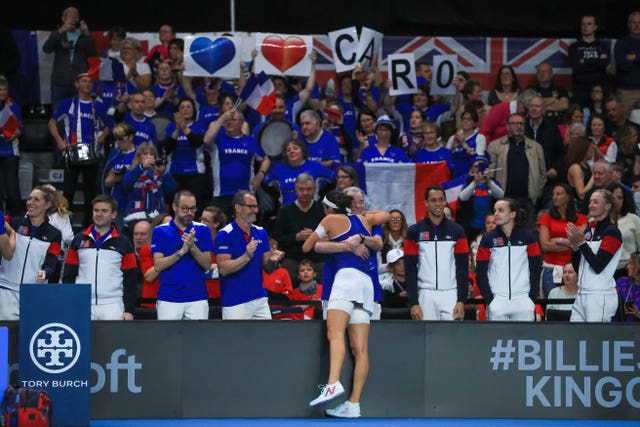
(328, 393)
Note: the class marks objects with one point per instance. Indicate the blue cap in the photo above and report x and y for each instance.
(483, 159)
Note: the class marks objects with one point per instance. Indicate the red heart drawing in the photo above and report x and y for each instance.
(283, 54)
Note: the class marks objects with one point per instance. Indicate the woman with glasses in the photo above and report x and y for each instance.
(136, 71)
(466, 143)
(346, 176)
(393, 233)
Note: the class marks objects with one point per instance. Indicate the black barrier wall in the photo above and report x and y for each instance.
(210, 369)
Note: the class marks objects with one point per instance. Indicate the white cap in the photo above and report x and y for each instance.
(384, 120)
(634, 117)
(394, 255)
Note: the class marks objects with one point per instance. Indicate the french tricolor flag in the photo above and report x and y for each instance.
(259, 93)
(8, 121)
(105, 69)
(452, 189)
(402, 185)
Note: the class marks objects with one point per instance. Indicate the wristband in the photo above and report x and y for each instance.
(3, 229)
(361, 238)
(560, 240)
(178, 254)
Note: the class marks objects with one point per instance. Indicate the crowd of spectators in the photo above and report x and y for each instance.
(159, 132)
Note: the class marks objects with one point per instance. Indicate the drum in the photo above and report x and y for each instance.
(273, 135)
(81, 154)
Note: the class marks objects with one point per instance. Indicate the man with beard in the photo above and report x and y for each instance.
(181, 254)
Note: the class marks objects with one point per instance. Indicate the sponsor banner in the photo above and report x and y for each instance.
(181, 369)
(55, 347)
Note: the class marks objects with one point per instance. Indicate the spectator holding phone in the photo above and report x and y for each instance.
(71, 44)
(477, 197)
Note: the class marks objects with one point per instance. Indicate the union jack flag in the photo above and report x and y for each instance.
(479, 56)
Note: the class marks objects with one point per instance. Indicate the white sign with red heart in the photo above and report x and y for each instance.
(283, 54)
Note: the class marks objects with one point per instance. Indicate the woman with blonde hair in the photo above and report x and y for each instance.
(59, 213)
(60, 217)
(596, 252)
(136, 71)
(120, 160)
(35, 249)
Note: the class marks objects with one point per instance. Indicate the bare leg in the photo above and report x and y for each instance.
(337, 321)
(359, 342)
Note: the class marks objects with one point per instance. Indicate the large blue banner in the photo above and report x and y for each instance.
(55, 347)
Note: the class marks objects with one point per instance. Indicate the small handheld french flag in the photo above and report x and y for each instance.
(259, 93)
(8, 121)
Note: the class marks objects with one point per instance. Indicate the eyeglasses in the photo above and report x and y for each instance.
(187, 209)
(394, 219)
(249, 206)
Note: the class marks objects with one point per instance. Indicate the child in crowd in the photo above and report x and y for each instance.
(394, 294)
(308, 289)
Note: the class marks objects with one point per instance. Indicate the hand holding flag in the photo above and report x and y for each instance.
(258, 93)
(8, 121)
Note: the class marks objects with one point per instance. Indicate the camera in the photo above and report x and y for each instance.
(159, 162)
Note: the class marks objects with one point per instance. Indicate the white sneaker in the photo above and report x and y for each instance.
(329, 392)
(344, 410)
